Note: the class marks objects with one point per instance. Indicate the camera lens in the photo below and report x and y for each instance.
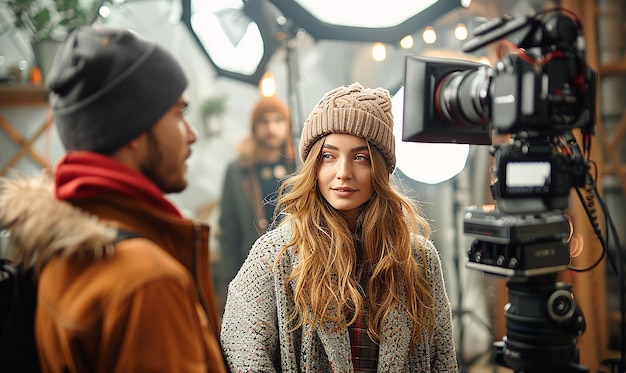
(463, 97)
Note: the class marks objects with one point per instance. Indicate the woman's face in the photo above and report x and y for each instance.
(344, 176)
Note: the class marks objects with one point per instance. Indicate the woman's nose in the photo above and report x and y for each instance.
(344, 169)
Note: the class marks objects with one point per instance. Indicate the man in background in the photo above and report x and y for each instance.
(264, 158)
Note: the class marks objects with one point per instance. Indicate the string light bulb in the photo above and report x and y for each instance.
(407, 42)
(267, 85)
(460, 32)
(429, 35)
(379, 52)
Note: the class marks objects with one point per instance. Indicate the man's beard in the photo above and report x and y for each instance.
(151, 167)
(268, 146)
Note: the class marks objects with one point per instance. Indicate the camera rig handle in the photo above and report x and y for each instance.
(544, 29)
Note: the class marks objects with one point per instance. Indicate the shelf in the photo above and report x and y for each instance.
(22, 95)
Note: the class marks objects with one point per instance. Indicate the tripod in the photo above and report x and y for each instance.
(542, 323)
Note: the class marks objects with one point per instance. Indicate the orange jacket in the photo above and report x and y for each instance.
(147, 305)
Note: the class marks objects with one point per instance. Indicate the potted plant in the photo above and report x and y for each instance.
(213, 107)
(48, 22)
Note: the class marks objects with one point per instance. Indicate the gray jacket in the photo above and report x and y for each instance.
(255, 336)
(241, 206)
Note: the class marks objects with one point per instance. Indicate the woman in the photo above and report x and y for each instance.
(348, 282)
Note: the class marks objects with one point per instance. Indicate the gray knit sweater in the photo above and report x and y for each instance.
(255, 337)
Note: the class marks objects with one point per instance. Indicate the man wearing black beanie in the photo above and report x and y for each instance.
(107, 304)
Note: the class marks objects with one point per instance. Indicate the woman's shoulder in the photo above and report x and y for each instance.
(281, 233)
(273, 241)
(423, 243)
(267, 248)
(426, 246)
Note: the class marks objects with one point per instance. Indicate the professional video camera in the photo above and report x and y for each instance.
(537, 94)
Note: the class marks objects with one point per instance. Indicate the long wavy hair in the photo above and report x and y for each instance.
(326, 287)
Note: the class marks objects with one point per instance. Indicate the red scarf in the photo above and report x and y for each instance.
(81, 175)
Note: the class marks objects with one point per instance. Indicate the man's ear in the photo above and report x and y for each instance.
(133, 152)
(138, 141)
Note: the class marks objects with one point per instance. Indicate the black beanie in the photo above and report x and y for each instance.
(107, 86)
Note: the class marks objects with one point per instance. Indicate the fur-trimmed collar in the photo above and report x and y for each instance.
(40, 226)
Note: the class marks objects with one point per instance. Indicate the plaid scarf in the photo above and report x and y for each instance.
(364, 349)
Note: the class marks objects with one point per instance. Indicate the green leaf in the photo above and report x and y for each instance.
(44, 19)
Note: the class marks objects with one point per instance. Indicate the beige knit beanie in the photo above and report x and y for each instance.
(353, 110)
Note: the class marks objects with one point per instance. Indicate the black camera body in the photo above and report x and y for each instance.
(537, 94)
(544, 98)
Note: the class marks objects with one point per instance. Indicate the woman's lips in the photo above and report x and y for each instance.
(343, 192)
